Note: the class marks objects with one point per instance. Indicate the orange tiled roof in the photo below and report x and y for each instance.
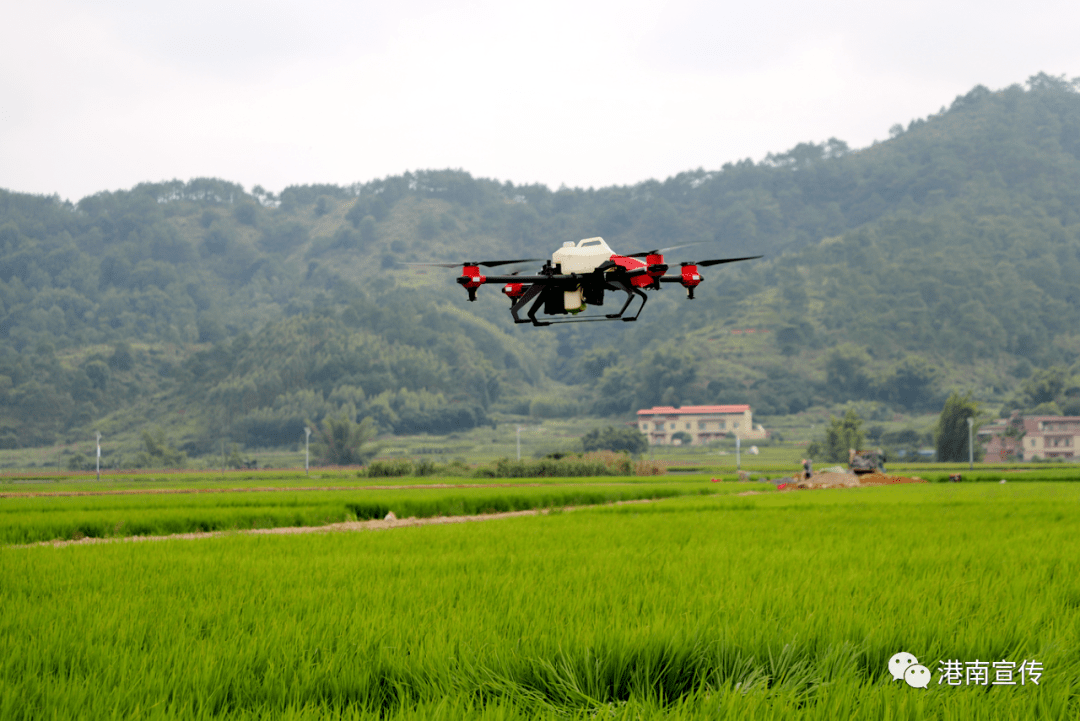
(692, 410)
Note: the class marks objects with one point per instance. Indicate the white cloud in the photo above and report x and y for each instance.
(278, 92)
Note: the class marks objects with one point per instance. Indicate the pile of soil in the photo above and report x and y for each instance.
(878, 479)
(832, 479)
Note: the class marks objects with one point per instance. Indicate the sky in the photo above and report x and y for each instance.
(100, 96)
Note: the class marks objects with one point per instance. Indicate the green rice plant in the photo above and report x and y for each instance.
(45, 518)
(769, 606)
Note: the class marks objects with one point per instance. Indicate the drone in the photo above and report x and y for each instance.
(578, 276)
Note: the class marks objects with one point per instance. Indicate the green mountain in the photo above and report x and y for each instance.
(942, 258)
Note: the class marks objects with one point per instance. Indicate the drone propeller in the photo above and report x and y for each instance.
(718, 261)
(485, 263)
(661, 251)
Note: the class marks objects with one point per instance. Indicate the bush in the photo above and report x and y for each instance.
(649, 468)
(388, 469)
(600, 463)
(611, 438)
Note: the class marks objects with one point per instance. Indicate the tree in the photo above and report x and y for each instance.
(1045, 385)
(611, 438)
(427, 226)
(367, 230)
(285, 237)
(340, 441)
(912, 384)
(951, 437)
(245, 212)
(615, 391)
(98, 373)
(219, 238)
(158, 453)
(845, 373)
(121, 359)
(842, 435)
(210, 328)
(594, 362)
(665, 376)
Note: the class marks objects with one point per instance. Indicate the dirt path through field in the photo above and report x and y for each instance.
(374, 525)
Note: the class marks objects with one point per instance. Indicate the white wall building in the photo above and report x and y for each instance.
(702, 423)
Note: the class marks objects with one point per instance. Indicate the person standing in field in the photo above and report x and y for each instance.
(808, 468)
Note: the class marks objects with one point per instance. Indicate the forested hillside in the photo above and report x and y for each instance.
(943, 258)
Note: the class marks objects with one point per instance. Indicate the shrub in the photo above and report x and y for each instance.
(388, 469)
(611, 438)
(599, 463)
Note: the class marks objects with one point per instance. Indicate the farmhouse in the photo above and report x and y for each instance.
(1032, 438)
(701, 423)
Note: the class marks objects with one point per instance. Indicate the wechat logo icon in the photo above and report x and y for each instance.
(905, 666)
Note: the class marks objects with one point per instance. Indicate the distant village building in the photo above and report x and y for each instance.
(701, 423)
(1032, 438)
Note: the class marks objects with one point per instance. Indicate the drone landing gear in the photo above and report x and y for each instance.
(541, 296)
(630, 291)
(531, 292)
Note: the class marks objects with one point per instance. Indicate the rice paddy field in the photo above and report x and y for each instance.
(704, 602)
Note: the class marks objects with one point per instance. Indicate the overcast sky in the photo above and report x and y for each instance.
(104, 95)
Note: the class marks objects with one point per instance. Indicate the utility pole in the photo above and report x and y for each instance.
(98, 456)
(971, 444)
(519, 442)
(738, 456)
(307, 445)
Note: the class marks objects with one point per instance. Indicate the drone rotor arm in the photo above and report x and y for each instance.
(661, 251)
(484, 263)
(719, 261)
(526, 279)
(493, 263)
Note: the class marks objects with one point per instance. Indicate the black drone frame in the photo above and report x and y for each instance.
(545, 291)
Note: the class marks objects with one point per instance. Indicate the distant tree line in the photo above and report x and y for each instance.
(951, 250)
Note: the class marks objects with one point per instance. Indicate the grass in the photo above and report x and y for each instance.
(768, 606)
